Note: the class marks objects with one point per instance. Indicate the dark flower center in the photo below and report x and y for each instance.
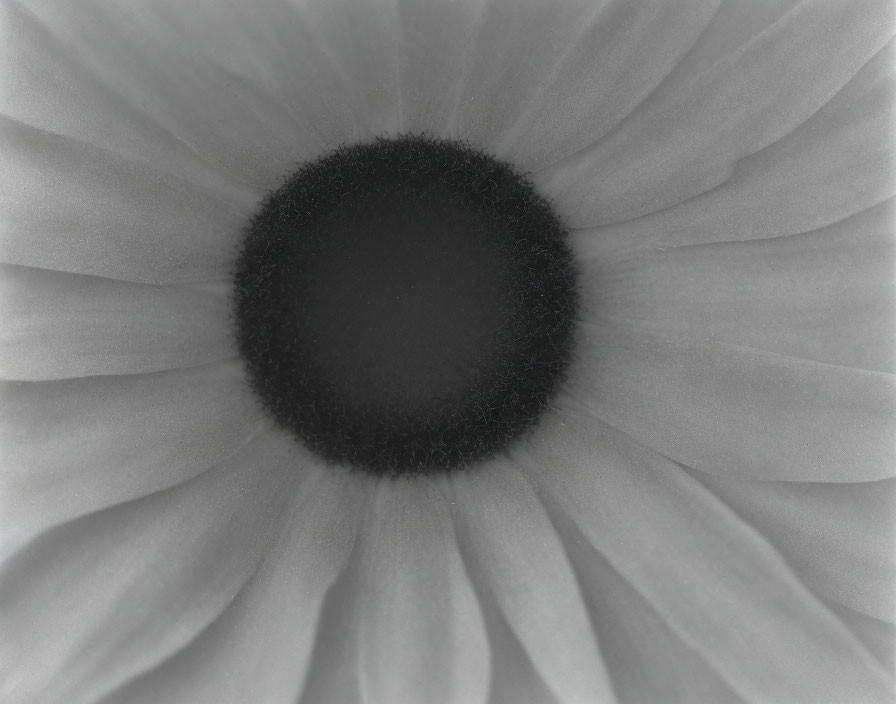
(406, 305)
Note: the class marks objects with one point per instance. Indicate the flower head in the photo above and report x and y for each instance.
(697, 502)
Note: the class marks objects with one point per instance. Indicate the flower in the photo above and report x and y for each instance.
(703, 515)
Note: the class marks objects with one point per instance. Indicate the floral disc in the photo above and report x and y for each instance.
(406, 305)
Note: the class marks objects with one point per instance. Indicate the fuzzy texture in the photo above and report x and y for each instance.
(405, 305)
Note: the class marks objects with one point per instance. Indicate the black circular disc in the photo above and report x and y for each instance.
(405, 305)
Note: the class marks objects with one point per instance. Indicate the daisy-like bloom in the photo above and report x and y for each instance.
(447, 351)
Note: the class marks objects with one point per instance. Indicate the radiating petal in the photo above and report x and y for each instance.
(607, 66)
(421, 632)
(827, 295)
(688, 137)
(512, 49)
(435, 51)
(73, 207)
(722, 588)
(333, 672)
(56, 325)
(648, 661)
(838, 163)
(47, 84)
(248, 88)
(839, 538)
(360, 39)
(514, 677)
(259, 649)
(739, 411)
(877, 635)
(94, 602)
(512, 549)
(75, 446)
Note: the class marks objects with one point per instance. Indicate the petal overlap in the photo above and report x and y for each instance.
(689, 137)
(837, 164)
(419, 624)
(70, 206)
(74, 446)
(58, 325)
(840, 538)
(130, 584)
(512, 549)
(826, 295)
(231, 85)
(740, 411)
(787, 646)
(271, 625)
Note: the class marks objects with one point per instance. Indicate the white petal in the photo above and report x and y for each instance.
(714, 580)
(840, 538)
(739, 411)
(95, 602)
(259, 649)
(69, 206)
(435, 50)
(514, 678)
(513, 551)
(57, 325)
(648, 661)
(878, 636)
(687, 138)
(248, 88)
(359, 41)
(609, 64)
(48, 85)
(827, 295)
(510, 51)
(333, 675)
(835, 165)
(421, 634)
(76, 446)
